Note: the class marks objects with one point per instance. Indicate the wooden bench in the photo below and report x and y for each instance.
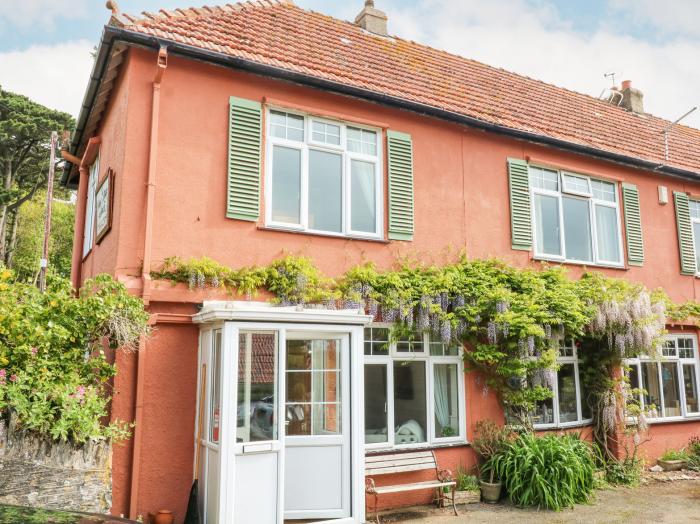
(402, 462)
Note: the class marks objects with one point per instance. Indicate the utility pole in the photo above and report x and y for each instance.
(47, 214)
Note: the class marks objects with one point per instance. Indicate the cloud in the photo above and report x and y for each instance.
(532, 39)
(52, 75)
(673, 18)
(43, 14)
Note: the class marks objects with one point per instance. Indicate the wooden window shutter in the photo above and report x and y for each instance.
(633, 225)
(244, 149)
(520, 219)
(685, 233)
(400, 149)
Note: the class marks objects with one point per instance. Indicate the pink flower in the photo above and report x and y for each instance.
(34, 351)
(80, 392)
(3, 373)
(13, 378)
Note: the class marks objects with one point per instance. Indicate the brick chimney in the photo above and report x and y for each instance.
(371, 19)
(632, 98)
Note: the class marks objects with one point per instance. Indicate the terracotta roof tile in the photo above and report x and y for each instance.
(280, 34)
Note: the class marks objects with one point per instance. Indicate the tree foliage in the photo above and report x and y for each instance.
(54, 373)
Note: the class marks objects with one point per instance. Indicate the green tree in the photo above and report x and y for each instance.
(25, 258)
(25, 132)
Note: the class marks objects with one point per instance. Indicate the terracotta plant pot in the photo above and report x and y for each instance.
(490, 493)
(672, 465)
(164, 516)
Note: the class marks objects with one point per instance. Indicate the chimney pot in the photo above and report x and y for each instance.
(632, 98)
(372, 19)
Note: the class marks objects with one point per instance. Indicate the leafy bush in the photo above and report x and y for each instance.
(627, 472)
(675, 454)
(490, 439)
(465, 481)
(694, 445)
(54, 372)
(551, 472)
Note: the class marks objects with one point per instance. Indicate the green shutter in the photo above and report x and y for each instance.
(400, 186)
(520, 220)
(244, 147)
(633, 225)
(685, 233)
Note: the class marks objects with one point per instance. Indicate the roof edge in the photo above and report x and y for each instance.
(113, 34)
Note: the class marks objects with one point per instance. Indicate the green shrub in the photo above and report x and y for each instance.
(551, 472)
(490, 439)
(627, 472)
(675, 454)
(465, 481)
(54, 373)
(694, 445)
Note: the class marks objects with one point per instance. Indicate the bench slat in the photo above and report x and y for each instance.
(431, 484)
(393, 456)
(399, 462)
(397, 469)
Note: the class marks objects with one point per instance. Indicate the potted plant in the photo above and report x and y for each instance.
(489, 441)
(673, 459)
(468, 489)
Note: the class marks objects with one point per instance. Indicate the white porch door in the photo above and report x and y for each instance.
(258, 452)
(317, 426)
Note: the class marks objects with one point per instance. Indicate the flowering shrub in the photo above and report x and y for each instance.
(54, 374)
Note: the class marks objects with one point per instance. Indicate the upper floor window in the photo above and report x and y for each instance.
(668, 384)
(414, 390)
(694, 208)
(576, 218)
(568, 405)
(323, 176)
(89, 231)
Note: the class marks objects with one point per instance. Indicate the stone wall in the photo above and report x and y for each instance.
(38, 472)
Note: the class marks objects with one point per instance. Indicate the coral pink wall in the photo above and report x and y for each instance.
(461, 204)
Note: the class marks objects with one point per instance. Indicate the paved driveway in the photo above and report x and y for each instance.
(675, 502)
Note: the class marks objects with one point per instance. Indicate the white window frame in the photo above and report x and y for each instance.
(580, 421)
(593, 202)
(694, 220)
(680, 363)
(346, 175)
(388, 361)
(89, 229)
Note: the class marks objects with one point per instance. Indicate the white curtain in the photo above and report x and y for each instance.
(442, 394)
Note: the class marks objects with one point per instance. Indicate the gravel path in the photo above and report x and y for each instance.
(676, 502)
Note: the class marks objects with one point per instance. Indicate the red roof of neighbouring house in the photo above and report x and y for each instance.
(280, 34)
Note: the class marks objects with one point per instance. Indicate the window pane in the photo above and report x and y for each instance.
(576, 184)
(363, 198)
(566, 380)
(215, 404)
(672, 396)
(669, 348)
(690, 384)
(286, 184)
(409, 402)
(547, 224)
(696, 237)
(256, 418)
(633, 376)
(603, 190)
(607, 233)
(446, 378)
(650, 383)
(577, 229)
(566, 348)
(376, 341)
(325, 191)
(328, 133)
(411, 344)
(313, 387)
(362, 141)
(694, 207)
(544, 179)
(284, 125)
(376, 404)
(686, 348)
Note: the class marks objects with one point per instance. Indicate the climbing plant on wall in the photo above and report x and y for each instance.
(511, 319)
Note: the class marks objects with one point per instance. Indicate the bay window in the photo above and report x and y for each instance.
(414, 390)
(567, 406)
(668, 384)
(575, 218)
(323, 176)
